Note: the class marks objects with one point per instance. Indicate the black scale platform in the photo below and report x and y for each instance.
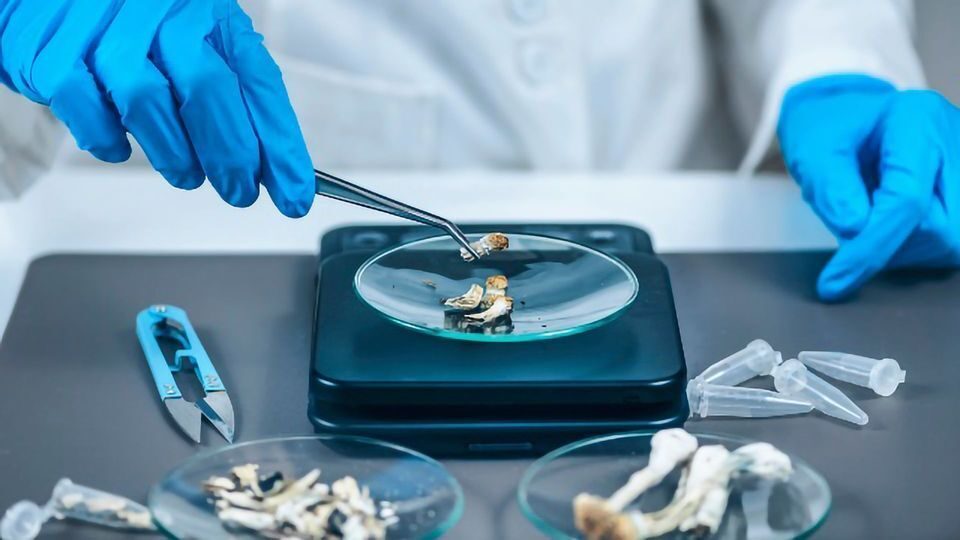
(372, 377)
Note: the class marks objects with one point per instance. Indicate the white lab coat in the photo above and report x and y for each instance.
(547, 84)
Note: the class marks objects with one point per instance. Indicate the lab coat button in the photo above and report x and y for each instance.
(528, 11)
(538, 63)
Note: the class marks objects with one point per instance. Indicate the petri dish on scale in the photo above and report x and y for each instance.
(560, 288)
(794, 508)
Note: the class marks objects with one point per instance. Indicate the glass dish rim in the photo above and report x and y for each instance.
(550, 531)
(455, 514)
(502, 338)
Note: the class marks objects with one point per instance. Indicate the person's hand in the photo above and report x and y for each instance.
(880, 168)
(189, 79)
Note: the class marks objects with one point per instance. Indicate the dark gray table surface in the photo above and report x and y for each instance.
(76, 398)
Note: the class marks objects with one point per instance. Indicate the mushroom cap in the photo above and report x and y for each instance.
(498, 240)
(497, 282)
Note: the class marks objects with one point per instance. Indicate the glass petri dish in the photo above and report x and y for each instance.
(428, 499)
(559, 287)
(600, 465)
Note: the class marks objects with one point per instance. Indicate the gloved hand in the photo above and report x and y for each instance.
(189, 79)
(879, 166)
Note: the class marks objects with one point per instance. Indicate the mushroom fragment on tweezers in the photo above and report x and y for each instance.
(489, 243)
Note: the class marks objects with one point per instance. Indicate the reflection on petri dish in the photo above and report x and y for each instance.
(559, 287)
(600, 465)
(428, 500)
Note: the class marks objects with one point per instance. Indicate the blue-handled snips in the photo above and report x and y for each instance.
(170, 322)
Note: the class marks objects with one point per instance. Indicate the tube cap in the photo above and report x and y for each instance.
(22, 521)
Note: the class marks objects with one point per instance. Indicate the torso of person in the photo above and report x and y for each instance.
(513, 84)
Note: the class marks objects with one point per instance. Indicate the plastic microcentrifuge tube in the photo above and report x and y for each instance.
(881, 376)
(23, 520)
(792, 378)
(757, 358)
(715, 400)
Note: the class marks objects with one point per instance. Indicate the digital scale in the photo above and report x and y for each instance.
(371, 377)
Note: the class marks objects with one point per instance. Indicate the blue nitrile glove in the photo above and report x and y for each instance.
(189, 79)
(879, 166)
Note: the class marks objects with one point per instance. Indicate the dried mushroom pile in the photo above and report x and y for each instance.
(700, 500)
(481, 306)
(301, 508)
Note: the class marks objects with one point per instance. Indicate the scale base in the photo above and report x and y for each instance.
(371, 377)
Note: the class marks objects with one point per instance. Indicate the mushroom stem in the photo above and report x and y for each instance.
(595, 516)
(500, 307)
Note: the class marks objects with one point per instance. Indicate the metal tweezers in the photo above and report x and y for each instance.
(330, 186)
(170, 322)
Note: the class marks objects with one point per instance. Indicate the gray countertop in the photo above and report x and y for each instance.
(76, 398)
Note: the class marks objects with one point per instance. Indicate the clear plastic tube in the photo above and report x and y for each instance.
(757, 358)
(881, 376)
(23, 520)
(715, 400)
(792, 379)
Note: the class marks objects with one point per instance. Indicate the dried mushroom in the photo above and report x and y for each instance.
(468, 300)
(484, 246)
(497, 282)
(503, 305)
(302, 508)
(700, 500)
(496, 288)
(487, 308)
(456, 320)
(668, 448)
(106, 504)
(104, 508)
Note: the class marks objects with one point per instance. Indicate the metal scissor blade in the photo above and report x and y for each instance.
(186, 416)
(218, 409)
